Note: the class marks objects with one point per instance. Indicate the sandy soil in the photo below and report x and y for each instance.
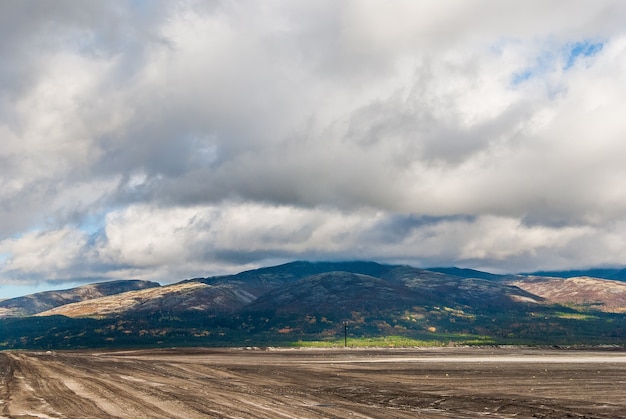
(341, 383)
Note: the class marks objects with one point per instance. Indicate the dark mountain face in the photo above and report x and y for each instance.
(336, 295)
(290, 290)
(43, 301)
(305, 300)
(259, 281)
(479, 294)
(468, 273)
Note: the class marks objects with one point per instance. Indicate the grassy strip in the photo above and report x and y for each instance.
(395, 342)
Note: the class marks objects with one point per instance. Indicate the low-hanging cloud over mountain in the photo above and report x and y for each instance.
(160, 140)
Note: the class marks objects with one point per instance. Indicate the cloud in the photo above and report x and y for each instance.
(160, 138)
(56, 253)
(179, 242)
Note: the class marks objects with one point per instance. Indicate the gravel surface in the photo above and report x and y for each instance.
(338, 383)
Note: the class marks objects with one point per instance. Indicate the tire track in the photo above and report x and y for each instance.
(197, 383)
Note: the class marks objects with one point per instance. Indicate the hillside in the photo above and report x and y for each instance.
(42, 301)
(616, 274)
(474, 292)
(336, 295)
(583, 292)
(187, 296)
(259, 281)
(303, 301)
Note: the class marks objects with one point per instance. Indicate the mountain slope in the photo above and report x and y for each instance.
(617, 274)
(467, 273)
(215, 294)
(259, 281)
(311, 301)
(43, 301)
(585, 292)
(181, 297)
(336, 295)
(480, 294)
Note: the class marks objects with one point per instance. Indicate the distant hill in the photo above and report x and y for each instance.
(475, 293)
(302, 301)
(181, 297)
(468, 273)
(584, 292)
(259, 281)
(336, 295)
(42, 301)
(617, 274)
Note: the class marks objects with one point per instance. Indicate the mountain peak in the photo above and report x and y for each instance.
(39, 302)
(311, 300)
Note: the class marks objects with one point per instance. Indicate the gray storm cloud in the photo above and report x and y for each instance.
(173, 139)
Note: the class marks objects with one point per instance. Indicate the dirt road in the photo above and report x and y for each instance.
(240, 383)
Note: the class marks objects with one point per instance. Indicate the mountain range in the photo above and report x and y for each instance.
(312, 301)
(42, 301)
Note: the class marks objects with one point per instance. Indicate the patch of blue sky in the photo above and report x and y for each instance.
(13, 290)
(521, 77)
(575, 51)
(93, 223)
(542, 65)
(549, 60)
(94, 229)
(3, 258)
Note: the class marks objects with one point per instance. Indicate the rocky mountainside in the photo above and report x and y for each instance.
(333, 288)
(469, 291)
(259, 281)
(187, 296)
(583, 292)
(227, 293)
(336, 295)
(304, 301)
(42, 301)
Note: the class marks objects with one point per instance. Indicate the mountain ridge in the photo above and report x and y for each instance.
(583, 291)
(46, 300)
(618, 274)
(311, 300)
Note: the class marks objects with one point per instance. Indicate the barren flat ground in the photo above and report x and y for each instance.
(314, 383)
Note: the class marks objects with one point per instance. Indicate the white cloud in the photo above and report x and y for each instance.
(169, 244)
(206, 136)
(54, 253)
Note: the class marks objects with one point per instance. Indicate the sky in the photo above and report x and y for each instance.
(164, 140)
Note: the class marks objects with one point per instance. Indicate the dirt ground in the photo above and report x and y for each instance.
(297, 383)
